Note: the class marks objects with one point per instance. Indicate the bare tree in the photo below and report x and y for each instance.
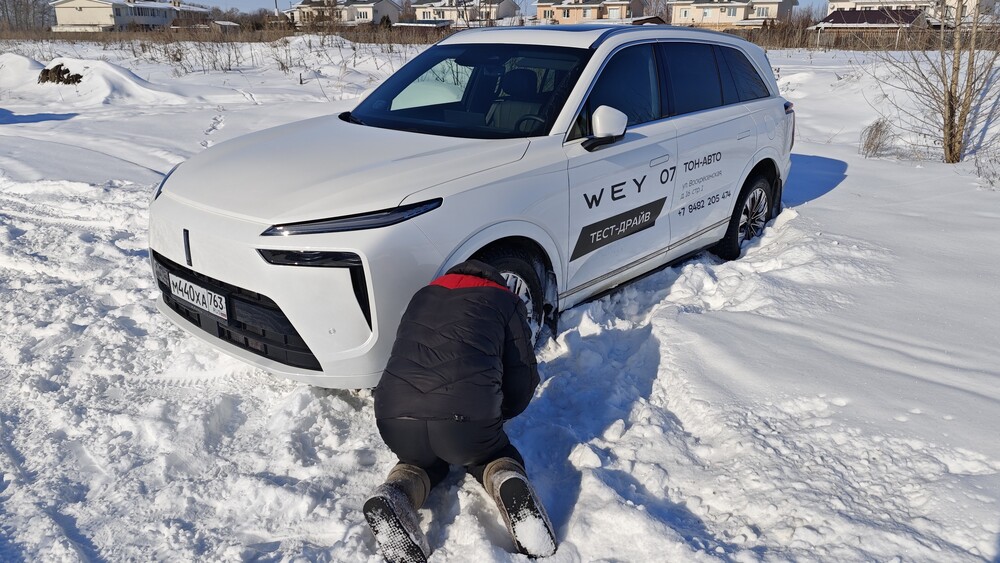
(22, 15)
(662, 8)
(408, 13)
(949, 92)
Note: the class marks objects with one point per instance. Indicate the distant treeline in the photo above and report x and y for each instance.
(21, 15)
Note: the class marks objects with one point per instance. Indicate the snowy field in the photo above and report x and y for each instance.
(833, 395)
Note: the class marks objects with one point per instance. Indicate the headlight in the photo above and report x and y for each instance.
(311, 258)
(159, 188)
(372, 220)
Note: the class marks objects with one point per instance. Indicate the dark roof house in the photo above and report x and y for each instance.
(872, 19)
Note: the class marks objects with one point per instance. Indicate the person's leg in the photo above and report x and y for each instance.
(506, 482)
(409, 440)
(470, 443)
(391, 509)
(508, 451)
(486, 452)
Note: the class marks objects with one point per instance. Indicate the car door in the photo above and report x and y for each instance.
(716, 138)
(619, 193)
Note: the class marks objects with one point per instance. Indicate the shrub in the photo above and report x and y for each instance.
(876, 139)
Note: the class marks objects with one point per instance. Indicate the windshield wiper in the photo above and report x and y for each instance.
(346, 116)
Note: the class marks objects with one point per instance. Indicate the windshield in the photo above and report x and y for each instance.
(481, 91)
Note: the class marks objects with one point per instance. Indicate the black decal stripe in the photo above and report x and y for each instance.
(607, 231)
(642, 260)
(187, 247)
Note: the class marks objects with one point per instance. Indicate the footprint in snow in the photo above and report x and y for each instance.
(218, 122)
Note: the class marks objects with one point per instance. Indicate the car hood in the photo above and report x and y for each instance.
(326, 167)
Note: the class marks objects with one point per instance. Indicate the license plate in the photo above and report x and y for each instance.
(198, 296)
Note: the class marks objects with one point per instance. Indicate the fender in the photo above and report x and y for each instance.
(764, 153)
(506, 229)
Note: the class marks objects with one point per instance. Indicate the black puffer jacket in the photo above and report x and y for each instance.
(463, 352)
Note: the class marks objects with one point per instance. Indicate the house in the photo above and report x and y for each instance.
(117, 15)
(464, 13)
(934, 8)
(872, 19)
(729, 14)
(585, 11)
(878, 29)
(225, 27)
(320, 13)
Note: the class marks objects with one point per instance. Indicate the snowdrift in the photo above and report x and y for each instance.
(108, 83)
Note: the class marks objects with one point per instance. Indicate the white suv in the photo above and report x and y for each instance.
(573, 158)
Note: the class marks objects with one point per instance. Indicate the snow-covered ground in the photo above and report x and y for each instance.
(834, 394)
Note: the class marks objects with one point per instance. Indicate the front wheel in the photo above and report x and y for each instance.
(752, 212)
(518, 269)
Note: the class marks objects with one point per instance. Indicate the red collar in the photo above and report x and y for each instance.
(459, 281)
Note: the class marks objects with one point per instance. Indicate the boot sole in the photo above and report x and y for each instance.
(395, 545)
(526, 517)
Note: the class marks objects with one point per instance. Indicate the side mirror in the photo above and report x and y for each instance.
(608, 125)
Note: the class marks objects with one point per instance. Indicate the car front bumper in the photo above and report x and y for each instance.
(325, 326)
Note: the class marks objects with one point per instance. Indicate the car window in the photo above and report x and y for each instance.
(729, 93)
(749, 84)
(483, 91)
(443, 83)
(693, 76)
(628, 83)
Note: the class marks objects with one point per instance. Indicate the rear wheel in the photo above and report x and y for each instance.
(752, 212)
(518, 268)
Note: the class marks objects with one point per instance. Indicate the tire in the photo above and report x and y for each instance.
(519, 269)
(752, 212)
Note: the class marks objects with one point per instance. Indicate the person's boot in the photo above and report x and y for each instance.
(507, 484)
(391, 512)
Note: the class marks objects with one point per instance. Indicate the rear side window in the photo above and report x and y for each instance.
(749, 84)
(693, 75)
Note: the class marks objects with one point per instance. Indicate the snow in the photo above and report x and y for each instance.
(831, 395)
(533, 535)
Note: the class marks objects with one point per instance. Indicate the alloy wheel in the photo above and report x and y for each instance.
(753, 217)
(520, 287)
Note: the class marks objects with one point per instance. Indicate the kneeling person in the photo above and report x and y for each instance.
(462, 364)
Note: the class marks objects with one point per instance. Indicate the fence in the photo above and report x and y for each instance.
(900, 38)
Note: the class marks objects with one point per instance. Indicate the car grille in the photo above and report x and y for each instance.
(256, 323)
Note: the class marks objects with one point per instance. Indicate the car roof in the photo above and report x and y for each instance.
(584, 36)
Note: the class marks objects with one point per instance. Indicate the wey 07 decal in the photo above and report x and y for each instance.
(607, 231)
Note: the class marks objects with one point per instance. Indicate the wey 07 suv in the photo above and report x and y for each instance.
(572, 158)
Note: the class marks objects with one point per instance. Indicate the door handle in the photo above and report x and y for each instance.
(743, 135)
(659, 160)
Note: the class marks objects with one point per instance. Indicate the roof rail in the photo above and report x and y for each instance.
(614, 30)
